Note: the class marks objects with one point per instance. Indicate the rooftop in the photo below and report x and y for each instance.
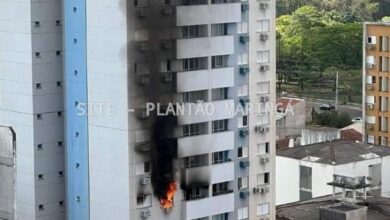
(283, 102)
(344, 151)
(378, 209)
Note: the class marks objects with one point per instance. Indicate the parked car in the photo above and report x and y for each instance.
(327, 107)
(357, 119)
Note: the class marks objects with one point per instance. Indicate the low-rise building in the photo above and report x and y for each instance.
(290, 117)
(307, 169)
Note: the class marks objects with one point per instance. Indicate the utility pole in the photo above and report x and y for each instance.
(337, 90)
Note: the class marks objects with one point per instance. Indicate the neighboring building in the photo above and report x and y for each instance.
(126, 165)
(376, 83)
(31, 102)
(290, 117)
(311, 167)
(7, 173)
(325, 208)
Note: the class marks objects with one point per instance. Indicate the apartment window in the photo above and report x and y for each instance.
(220, 125)
(58, 23)
(38, 86)
(40, 177)
(243, 182)
(59, 144)
(263, 25)
(263, 148)
(144, 200)
(263, 56)
(194, 31)
(41, 207)
(142, 168)
(194, 63)
(263, 119)
(242, 213)
(242, 27)
(263, 87)
(263, 178)
(195, 96)
(197, 193)
(220, 157)
(242, 59)
(37, 55)
(58, 53)
(39, 116)
(219, 29)
(59, 114)
(196, 161)
(194, 129)
(242, 121)
(242, 152)
(263, 209)
(39, 146)
(243, 90)
(204, 218)
(194, 2)
(59, 84)
(219, 61)
(165, 66)
(37, 24)
(221, 188)
(224, 216)
(219, 94)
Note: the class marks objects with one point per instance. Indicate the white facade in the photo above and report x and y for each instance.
(31, 103)
(288, 171)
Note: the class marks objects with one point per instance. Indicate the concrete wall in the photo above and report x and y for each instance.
(287, 180)
(7, 173)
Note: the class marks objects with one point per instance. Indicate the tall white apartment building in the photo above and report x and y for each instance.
(31, 102)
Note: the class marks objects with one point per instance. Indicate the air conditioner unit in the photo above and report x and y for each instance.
(370, 127)
(143, 47)
(244, 132)
(370, 65)
(263, 67)
(263, 160)
(263, 5)
(263, 99)
(244, 6)
(141, 13)
(145, 213)
(244, 70)
(144, 81)
(261, 129)
(167, 11)
(244, 38)
(167, 77)
(370, 106)
(263, 36)
(243, 101)
(264, 218)
(145, 180)
(256, 190)
(264, 189)
(244, 163)
(143, 146)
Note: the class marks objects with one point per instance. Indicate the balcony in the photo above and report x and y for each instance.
(205, 79)
(205, 46)
(370, 86)
(208, 14)
(217, 110)
(209, 174)
(370, 127)
(210, 206)
(205, 144)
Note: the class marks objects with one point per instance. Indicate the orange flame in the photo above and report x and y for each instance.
(167, 202)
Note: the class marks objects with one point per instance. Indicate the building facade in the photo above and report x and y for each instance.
(375, 82)
(313, 166)
(127, 165)
(31, 102)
